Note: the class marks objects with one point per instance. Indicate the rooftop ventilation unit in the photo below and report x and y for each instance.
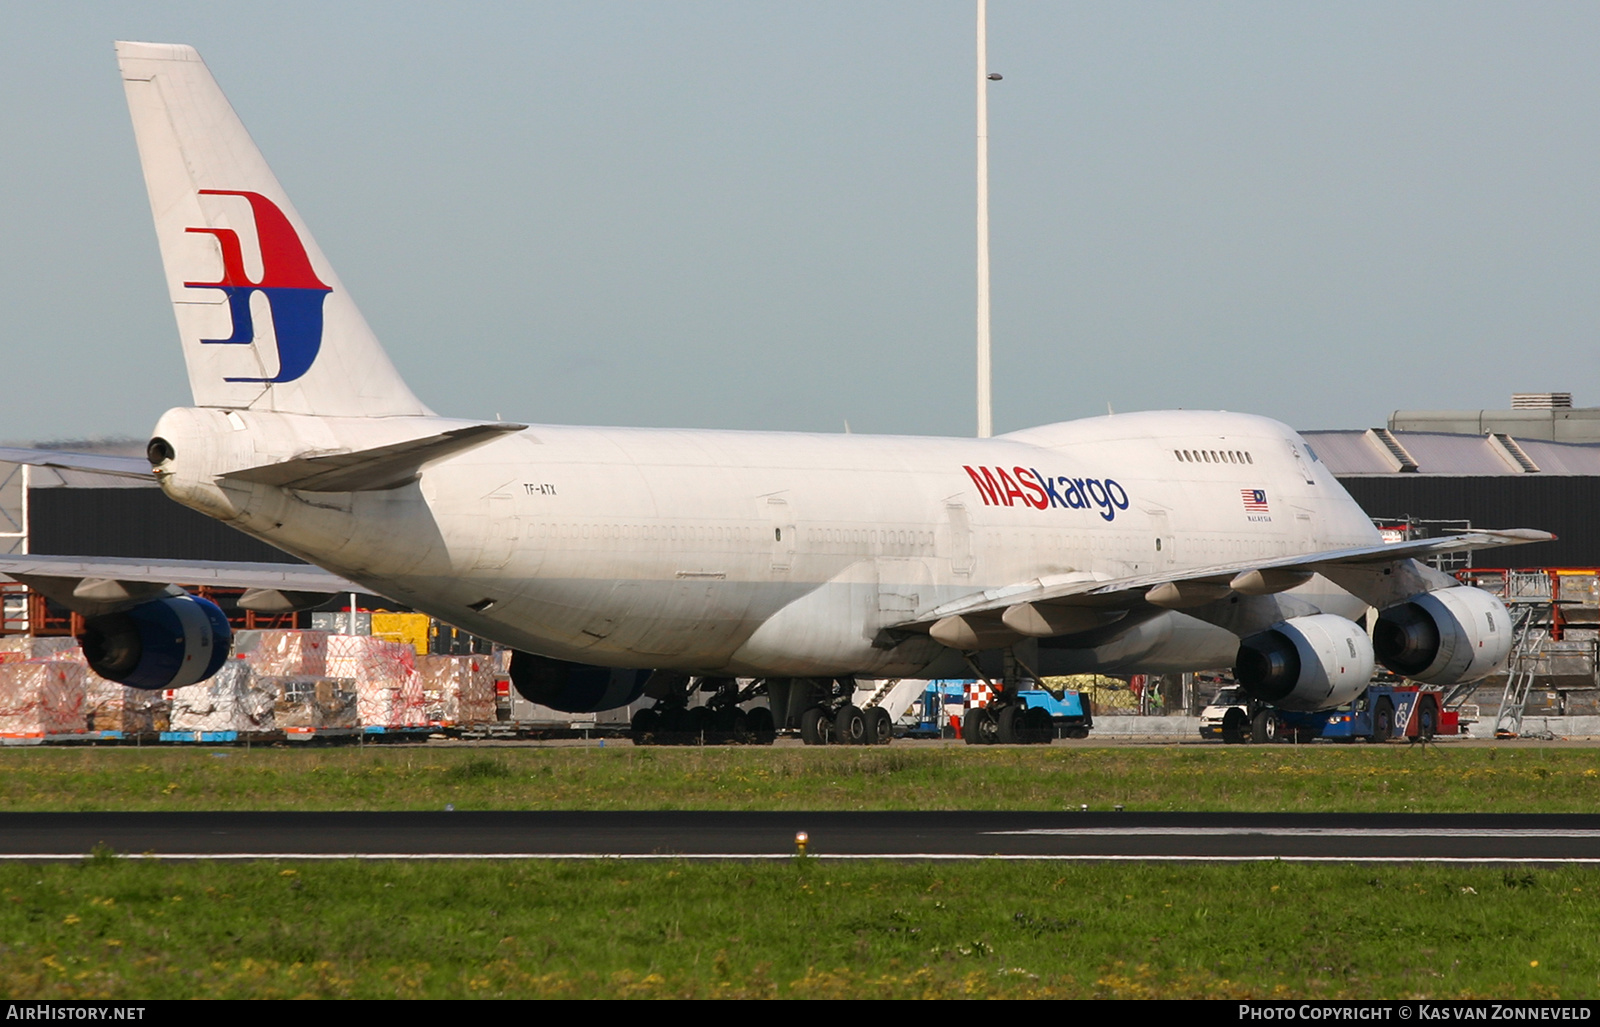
(1512, 453)
(1389, 446)
(1541, 401)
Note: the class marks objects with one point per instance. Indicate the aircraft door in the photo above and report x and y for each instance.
(784, 534)
(961, 559)
(1164, 546)
(500, 533)
(1301, 465)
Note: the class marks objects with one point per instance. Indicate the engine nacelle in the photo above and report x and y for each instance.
(1306, 663)
(165, 643)
(574, 687)
(1444, 637)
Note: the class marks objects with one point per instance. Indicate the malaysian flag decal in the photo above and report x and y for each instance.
(1255, 500)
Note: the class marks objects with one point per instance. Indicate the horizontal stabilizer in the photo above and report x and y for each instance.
(93, 585)
(370, 470)
(120, 466)
(293, 576)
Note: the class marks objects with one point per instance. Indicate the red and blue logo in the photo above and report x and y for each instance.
(293, 291)
(1025, 486)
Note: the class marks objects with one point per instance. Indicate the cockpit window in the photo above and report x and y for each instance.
(1312, 453)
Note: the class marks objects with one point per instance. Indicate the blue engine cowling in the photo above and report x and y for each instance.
(574, 687)
(165, 643)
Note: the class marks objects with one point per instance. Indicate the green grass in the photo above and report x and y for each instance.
(1390, 778)
(108, 928)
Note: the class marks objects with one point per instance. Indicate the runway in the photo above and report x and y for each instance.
(831, 835)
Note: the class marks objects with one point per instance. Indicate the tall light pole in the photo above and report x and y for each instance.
(985, 405)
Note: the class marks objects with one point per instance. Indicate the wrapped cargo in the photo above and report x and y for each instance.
(16, 648)
(388, 689)
(305, 702)
(457, 689)
(245, 641)
(233, 700)
(113, 707)
(285, 653)
(41, 697)
(57, 647)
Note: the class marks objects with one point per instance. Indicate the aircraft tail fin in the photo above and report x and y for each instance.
(265, 323)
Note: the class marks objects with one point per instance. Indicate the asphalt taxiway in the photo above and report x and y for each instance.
(766, 835)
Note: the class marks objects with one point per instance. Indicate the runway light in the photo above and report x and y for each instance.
(1118, 807)
(800, 840)
(449, 807)
(1084, 808)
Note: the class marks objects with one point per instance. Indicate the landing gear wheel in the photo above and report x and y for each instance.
(981, 728)
(674, 721)
(1234, 726)
(816, 726)
(1383, 721)
(645, 725)
(1078, 732)
(763, 730)
(1040, 727)
(1427, 720)
(1009, 728)
(850, 725)
(1264, 727)
(880, 728)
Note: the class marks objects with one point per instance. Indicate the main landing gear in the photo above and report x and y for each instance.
(1007, 720)
(725, 719)
(1008, 723)
(836, 720)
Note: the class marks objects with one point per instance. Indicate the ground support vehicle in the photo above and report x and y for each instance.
(1382, 712)
(1234, 717)
(1028, 716)
(1386, 712)
(930, 714)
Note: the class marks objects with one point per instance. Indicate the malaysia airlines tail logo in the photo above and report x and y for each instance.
(293, 291)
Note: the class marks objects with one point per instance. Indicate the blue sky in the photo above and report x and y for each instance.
(760, 215)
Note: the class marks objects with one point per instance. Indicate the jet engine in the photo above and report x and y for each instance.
(1306, 663)
(574, 687)
(164, 643)
(1444, 637)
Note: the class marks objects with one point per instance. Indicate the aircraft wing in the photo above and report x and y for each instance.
(121, 466)
(1379, 574)
(100, 584)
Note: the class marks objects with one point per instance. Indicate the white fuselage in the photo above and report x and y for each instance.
(760, 553)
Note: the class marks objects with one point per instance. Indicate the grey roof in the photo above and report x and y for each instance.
(1358, 452)
(1561, 424)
